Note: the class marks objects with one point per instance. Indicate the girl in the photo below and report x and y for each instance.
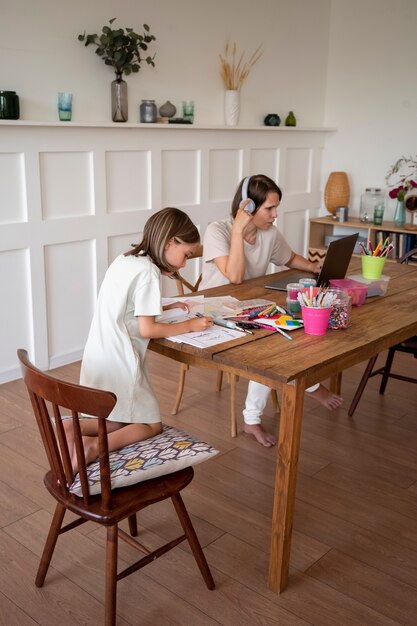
(242, 247)
(124, 321)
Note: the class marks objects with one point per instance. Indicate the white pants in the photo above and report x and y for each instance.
(256, 401)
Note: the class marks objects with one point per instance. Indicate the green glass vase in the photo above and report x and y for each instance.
(291, 121)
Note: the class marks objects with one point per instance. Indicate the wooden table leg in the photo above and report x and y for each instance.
(285, 483)
(336, 383)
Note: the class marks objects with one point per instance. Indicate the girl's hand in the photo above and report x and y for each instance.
(200, 323)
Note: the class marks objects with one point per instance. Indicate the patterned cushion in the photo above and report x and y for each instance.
(166, 453)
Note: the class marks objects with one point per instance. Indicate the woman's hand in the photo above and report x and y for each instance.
(176, 305)
(243, 218)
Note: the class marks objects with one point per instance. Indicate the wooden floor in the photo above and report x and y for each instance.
(354, 556)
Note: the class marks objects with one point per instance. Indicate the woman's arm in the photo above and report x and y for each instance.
(150, 329)
(298, 262)
(233, 265)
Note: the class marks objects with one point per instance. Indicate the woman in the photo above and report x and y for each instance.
(242, 247)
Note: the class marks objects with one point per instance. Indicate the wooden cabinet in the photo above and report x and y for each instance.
(321, 227)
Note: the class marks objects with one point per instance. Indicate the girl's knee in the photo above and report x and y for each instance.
(156, 428)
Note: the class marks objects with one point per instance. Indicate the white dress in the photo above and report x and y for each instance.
(114, 355)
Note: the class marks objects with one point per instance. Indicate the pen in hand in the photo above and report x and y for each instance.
(225, 323)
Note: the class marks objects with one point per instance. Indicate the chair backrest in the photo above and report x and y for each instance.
(406, 258)
(50, 398)
(182, 282)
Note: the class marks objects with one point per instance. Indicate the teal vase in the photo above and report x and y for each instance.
(399, 216)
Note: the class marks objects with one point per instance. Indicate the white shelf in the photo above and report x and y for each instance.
(188, 127)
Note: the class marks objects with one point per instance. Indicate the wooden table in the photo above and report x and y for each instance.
(294, 365)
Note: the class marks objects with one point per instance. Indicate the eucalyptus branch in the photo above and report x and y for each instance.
(121, 49)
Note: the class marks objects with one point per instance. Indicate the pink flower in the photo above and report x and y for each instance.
(399, 192)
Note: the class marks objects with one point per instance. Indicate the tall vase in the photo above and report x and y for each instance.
(399, 216)
(119, 99)
(231, 107)
(336, 191)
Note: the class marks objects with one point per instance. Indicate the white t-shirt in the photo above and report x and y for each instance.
(114, 355)
(269, 247)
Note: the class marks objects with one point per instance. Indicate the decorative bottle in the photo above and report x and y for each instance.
(148, 111)
(291, 120)
(119, 99)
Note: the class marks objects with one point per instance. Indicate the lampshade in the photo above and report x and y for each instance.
(336, 191)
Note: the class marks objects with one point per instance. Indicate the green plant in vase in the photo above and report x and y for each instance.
(123, 50)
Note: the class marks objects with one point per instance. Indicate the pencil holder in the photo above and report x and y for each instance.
(372, 266)
(315, 319)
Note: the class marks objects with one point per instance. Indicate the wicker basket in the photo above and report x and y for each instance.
(336, 192)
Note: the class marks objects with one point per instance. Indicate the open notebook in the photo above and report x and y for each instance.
(335, 265)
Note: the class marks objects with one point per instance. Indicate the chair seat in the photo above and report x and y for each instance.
(168, 452)
(123, 498)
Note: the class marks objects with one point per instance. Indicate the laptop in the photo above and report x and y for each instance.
(335, 265)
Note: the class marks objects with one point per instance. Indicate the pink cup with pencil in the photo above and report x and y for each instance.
(316, 319)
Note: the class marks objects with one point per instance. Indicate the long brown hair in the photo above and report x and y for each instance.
(161, 227)
(258, 189)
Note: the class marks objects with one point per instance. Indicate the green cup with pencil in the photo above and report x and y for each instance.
(373, 260)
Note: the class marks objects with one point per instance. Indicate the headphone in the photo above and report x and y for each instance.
(251, 206)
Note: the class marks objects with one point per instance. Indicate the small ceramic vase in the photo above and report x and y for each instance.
(167, 109)
(272, 119)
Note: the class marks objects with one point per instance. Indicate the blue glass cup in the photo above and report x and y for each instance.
(64, 106)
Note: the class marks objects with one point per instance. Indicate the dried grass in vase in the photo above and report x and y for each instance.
(234, 72)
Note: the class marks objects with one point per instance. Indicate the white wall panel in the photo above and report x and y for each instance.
(66, 184)
(265, 161)
(16, 321)
(13, 188)
(225, 167)
(120, 244)
(298, 170)
(70, 296)
(180, 177)
(128, 181)
(295, 224)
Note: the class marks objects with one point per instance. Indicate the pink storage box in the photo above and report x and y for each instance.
(357, 291)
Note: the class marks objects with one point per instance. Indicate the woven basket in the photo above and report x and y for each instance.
(336, 192)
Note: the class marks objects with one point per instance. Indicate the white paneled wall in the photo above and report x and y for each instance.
(73, 197)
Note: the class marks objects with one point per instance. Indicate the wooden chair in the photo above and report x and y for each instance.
(408, 346)
(48, 396)
(232, 378)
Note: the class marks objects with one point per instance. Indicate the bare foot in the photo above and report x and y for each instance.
(327, 398)
(262, 436)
